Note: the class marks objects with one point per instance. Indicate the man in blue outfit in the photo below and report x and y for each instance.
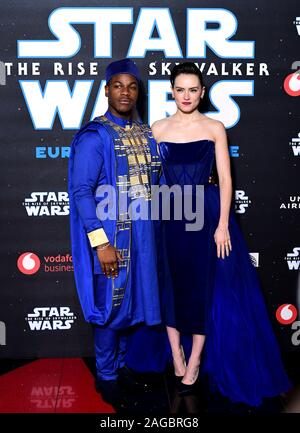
(114, 258)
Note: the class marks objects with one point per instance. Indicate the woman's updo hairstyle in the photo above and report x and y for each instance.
(185, 68)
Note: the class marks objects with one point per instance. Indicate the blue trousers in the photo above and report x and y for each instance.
(110, 344)
(110, 349)
(142, 348)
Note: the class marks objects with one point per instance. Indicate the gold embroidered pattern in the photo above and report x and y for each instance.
(133, 144)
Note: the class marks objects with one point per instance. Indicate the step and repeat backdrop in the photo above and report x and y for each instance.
(52, 66)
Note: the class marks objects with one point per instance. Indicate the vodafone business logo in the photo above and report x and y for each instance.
(28, 263)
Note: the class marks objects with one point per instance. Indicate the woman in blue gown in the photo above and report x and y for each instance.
(211, 290)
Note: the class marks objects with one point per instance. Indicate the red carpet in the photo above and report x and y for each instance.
(62, 385)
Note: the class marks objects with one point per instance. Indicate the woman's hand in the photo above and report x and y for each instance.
(108, 257)
(222, 239)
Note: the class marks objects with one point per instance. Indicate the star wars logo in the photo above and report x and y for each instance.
(50, 318)
(293, 259)
(56, 98)
(241, 201)
(47, 204)
(295, 145)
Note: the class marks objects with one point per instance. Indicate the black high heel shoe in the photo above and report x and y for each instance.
(178, 379)
(189, 389)
(184, 389)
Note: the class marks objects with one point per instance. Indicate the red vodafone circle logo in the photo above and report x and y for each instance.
(292, 84)
(286, 314)
(28, 263)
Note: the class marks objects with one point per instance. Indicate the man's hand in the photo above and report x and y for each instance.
(108, 258)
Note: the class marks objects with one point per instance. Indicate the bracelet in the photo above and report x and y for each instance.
(102, 247)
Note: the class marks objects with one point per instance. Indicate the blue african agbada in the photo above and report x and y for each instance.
(103, 157)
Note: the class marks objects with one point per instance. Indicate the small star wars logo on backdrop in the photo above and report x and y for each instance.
(292, 203)
(254, 257)
(50, 319)
(295, 145)
(29, 263)
(42, 203)
(286, 314)
(241, 201)
(293, 259)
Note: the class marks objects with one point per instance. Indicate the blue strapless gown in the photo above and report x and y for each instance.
(217, 297)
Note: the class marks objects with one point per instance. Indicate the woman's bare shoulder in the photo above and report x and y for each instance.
(216, 127)
(159, 127)
(213, 123)
(161, 123)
